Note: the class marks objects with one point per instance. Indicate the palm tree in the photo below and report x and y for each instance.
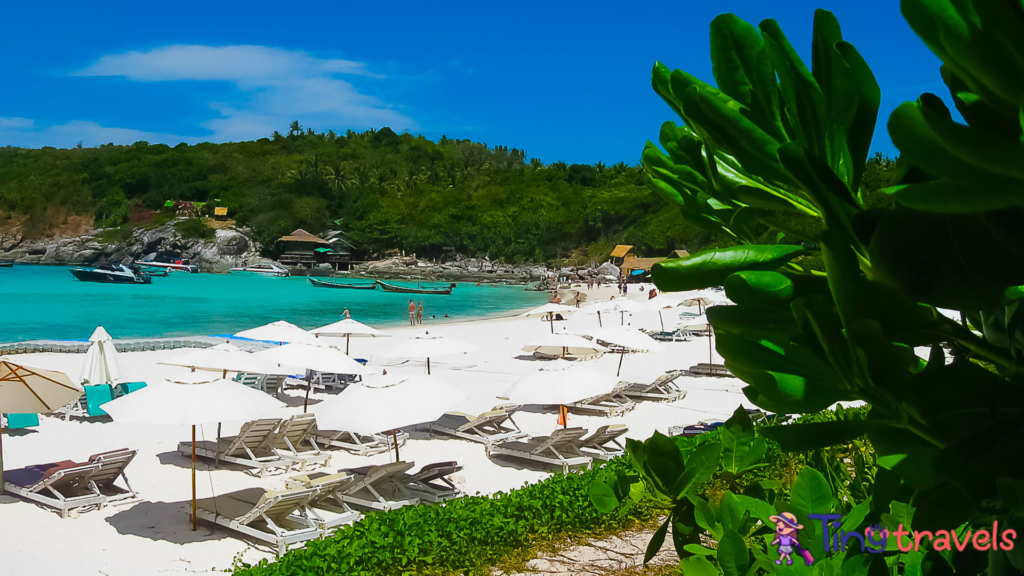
(295, 129)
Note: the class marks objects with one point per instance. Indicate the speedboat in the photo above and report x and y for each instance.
(179, 265)
(108, 273)
(263, 269)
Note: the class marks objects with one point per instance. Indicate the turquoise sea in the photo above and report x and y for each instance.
(46, 302)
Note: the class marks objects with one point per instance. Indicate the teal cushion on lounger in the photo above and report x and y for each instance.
(15, 421)
(129, 387)
(96, 396)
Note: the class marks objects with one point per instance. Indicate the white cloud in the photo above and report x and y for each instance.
(273, 87)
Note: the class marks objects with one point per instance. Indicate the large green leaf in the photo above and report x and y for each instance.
(811, 492)
(665, 462)
(755, 323)
(863, 96)
(803, 97)
(740, 446)
(732, 554)
(712, 267)
(801, 437)
(700, 466)
(654, 546)
(698, 566)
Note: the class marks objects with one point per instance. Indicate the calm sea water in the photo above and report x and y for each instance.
(46, 302)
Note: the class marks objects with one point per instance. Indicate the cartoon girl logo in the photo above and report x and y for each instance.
(786, 527)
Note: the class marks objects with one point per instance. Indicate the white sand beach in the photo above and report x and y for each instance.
(152, 534)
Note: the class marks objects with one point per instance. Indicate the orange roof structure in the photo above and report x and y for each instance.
(301, 235)
(621, 250)
(679, 254)
(640, 263)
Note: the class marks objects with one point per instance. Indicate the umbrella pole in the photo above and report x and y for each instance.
(622, 318)
(216, 460)
(662, 318)
(348, 340)
(599, 322)
(621, 356)
(309, 386)
(551, 315)
(711, 363)
(394, 438)
(193, 477)
(428, 366)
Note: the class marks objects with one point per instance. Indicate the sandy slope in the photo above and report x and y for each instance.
(152, 536)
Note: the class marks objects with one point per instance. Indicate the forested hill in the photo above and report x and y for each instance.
(387, 190)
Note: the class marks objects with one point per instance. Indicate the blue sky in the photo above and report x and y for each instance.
(565, 81)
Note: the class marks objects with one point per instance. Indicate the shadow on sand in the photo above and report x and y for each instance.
(202, 464)
(163, 522)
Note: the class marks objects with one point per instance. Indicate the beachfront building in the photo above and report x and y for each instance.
(304, 250)
(636, 268)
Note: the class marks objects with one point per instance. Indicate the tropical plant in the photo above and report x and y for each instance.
(782, 145)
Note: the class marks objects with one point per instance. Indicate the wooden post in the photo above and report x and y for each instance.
(394, 438)
(428, 366)
(309, 386)
(348, 339)
(193, 477)
(621, 356)
(662, 318)
(599, 322)
(551, 316)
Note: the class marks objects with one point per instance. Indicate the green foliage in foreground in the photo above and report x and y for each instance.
(776, 138)
(471, 533)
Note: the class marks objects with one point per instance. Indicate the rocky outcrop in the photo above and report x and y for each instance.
(230, 247)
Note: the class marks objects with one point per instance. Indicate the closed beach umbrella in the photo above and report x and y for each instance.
(427, 346)
(346, 329)
(280, 332)
(310, 357)
(561, 383)
(25, 390)
(388, 402)
(564, 344)
(102, 364)
(224, 360)
(626, 338)
(549, 310)
(198, 399)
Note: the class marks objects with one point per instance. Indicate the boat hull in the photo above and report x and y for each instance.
(404, 290)
(190, 268)
(90, 275)
(326, 284)
(268, 274)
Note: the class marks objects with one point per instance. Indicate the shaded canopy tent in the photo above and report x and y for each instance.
(281, 332)
(622, 306)
(663, 302)
(427, 346)
(197, 399)
(626, 339)
(25, 390)
(549, 310)
(388, 402)
(564, 344)
(310, 357)
(346, 329)
(560, 383)
(102, 365)
(223, 359)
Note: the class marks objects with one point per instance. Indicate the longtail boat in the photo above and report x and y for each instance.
(408, 290)
(334, 284)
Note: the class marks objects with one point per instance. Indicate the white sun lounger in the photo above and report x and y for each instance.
(603, 444)
(361, 444)
(614, 403)
(379, 488)
(293, 440)
(63, 486)
(662, 388)
(251, 447)
(327, 503)
(559, 449)
(488, 428)
(279, 518)
(431, 483)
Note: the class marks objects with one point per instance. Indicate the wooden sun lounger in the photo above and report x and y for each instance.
(379, 488)
(662, 388)
(62, 485)
(707, 369)
(361, 444)
(279, 518)
(488, 428)
(603, 444)
(431, 483)
(614, 403)
(559, 449)
(327, 503)
(251, 447)
(293, 440)
(112, 466)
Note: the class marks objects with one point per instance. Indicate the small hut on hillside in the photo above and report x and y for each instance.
(634, 267)
(300, 248)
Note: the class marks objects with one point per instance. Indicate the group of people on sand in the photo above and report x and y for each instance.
(415, 313)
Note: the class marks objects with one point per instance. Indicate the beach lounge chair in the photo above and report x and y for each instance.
(662, 388)
(488, 428)
(293, 440)
(604, 444)
(112, 466)
(254, 381)
(63, 486)
(614, 403)
(379, 488)
(251, 447)
(96, 396)
(361, 444)
(280, 518)
(331, 510)
(128, 388)
(431, 483)
(708, 369)
(20, 421)
(559, 449)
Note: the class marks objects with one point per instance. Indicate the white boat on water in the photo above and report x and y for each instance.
(263, 269)
(181, 265)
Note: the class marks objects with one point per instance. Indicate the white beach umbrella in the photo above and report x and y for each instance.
(621, 305)
(346, 329)
(388, 402)
(25, 390)
(427, 345)
(549, 310)
(560, 383)
(280, 332)
(702, 299)
(663, 302)
(310, 357)
(226, 347)
(564, 344)
(625, 338)
(102, 365)
(222, 360)
(198, 400)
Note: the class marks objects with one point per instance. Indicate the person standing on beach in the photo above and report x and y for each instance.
(579, 298)
(412, 313)
(419, 313)
(346, 313)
